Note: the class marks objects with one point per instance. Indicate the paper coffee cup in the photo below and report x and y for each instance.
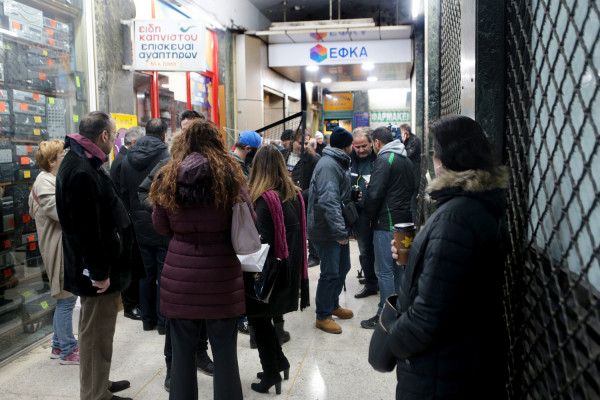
(403, 235)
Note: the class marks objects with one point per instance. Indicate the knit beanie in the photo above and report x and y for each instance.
(340, 138)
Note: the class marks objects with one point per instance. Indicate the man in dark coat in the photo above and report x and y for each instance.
(363, 156)
(99, 246)
(387, 203)
(301, 165)
(140, 160)
(130, 297)
(412, 144)
(327, 229)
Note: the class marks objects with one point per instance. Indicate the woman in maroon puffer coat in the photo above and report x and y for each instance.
(193, 196)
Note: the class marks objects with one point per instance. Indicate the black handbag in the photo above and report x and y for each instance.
(381, 357)
(262, 285)
(350, 213)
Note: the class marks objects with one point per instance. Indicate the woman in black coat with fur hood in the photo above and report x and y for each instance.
(450, 339)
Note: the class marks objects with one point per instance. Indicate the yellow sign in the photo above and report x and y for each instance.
(123, 122)
(339, 102)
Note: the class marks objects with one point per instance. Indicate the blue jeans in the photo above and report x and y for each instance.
(335, 264)
(62, 323)
(154, 259)
(364, 237)
(388, 272)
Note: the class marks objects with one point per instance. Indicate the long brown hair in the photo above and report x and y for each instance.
(269, 173)
(226, 177)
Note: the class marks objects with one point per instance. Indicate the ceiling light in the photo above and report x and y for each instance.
(297, 8)
(165, 85)
(312, 68)
(417, 8)
(367, 66)
(372, 78)
(326, 80)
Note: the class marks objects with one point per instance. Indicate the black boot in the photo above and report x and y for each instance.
(283, 365)
(252, 338)
(283, 336)
(267, 382)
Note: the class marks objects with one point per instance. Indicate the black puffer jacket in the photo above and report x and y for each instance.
(413, 151)
(141, 159)
(97, 231)
(391, 186)
(115, 166)
(450, 340)
(329, 190)
(286, 294)
(303, 170)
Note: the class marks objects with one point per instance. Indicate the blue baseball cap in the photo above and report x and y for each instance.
(250, 138)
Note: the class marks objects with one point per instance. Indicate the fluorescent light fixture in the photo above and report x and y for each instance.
(312, 68)
(372, 78)
(367, 66)
(326, 80)
(140, 95)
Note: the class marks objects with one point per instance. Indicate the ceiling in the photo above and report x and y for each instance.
(383, 12)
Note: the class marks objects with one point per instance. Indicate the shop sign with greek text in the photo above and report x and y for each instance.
(392, 117)
(169, 45)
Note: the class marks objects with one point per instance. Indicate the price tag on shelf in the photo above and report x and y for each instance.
(42, 76)
(44, 304)
(24, 160)
(36, 97)
(27, 174)
(2, 106)
(27, 293)
(51, 100)
(37, 119)
(29, 148)
(77, 82)
(75, 118)
(50, 31)
(30, 238)
(50, 61)
(24, 106)
(26, 218)
(37, 132)
(45, 52)
(32, 246)
(16, 26)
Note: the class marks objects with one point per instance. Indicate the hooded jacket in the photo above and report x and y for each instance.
(329, 191)
(97, 232)
(388, 194)
(450, 339)
(202, 276)
(141, 159)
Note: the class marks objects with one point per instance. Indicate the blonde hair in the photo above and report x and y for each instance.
(48, 152)
(269, 173)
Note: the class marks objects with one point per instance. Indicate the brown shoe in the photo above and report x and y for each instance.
(343, 313)
(328, 325)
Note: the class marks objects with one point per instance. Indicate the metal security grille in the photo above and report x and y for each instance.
(552, 148)
(450, 57)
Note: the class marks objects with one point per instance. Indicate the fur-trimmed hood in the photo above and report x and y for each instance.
(473, 180)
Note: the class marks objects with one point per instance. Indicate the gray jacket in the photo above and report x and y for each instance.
(329, 189)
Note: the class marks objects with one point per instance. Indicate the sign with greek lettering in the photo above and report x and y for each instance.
(169, 45)
(390, 117)
(336, 53)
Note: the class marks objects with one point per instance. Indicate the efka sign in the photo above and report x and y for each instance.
(335, 53)
(169, 45)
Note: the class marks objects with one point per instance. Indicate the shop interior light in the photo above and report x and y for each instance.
(165, 85)
(372, 78)
(367, 66)
(312, 68)
(326, 80)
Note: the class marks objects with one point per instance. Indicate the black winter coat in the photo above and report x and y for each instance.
(97, 231)
(115, 166)
(413, 151)
(303, 170)
(141, 159)
(329, 191)
(361, 166)
(285, 295)
(450, 340)
(390, 189)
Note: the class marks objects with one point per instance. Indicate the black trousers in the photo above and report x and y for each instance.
(269, 349)
(222, 334)
(201, 343)
(131, 296)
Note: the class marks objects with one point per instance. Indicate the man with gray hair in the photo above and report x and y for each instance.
(130, 297)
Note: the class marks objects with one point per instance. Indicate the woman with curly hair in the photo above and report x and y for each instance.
(281, 224)
(193, 195)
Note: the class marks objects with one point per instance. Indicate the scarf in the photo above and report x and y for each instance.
(89, 148)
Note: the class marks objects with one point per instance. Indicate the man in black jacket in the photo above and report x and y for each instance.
(130, 297)
(412, 144)
(140, 160)
(387, 203)
(99, 247)
(363, 156)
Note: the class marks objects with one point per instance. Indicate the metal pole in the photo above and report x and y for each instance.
(285, 11)
(339, 9)
(154, 81)
(188, 83)
(330, 10)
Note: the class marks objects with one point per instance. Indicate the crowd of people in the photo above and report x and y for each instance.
(156, 235)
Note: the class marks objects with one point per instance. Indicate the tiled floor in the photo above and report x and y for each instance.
(324, 366)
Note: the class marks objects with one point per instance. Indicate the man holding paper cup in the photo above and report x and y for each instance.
(387, 203)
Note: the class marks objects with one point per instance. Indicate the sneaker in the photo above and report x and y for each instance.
(55, 353)
(370, 323)
(205, 364)
(71, 359)
(328, 325)
(343, 313)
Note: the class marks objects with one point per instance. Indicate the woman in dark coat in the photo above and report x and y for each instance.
(280, 214)
(202, 279)
(450, 339)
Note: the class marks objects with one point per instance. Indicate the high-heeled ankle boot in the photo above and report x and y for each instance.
(252, 338)
(282, 335)
(266, 383)
(283, 365)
